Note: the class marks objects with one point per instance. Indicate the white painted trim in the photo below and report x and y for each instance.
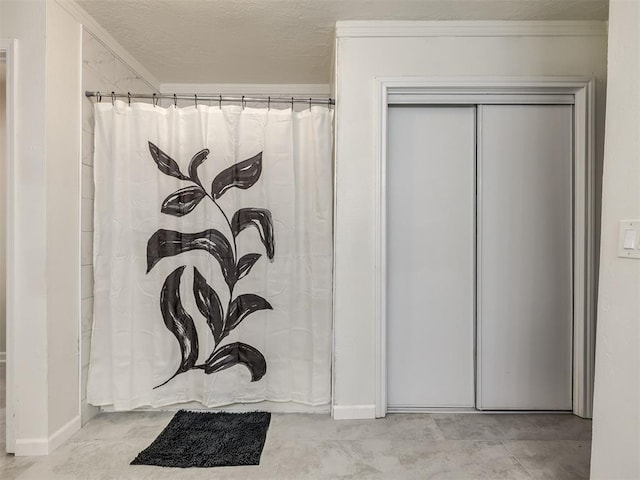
(110, 43)
(498, 28)
(584, 236)
(3, 357)
(407, 98)
(322, 90)
(353, 412)
(27, 447)
(10, 49)
(410, 85)
(79, 232)
(584, 250)
(64, 433)
(334, 225)
(380, 246)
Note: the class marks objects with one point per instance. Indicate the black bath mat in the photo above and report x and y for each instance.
(208, 439)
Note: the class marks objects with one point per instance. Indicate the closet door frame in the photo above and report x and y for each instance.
(578, 91)
(8, 51)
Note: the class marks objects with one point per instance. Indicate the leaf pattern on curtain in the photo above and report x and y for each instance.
(168, 243)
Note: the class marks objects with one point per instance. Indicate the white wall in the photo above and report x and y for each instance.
(54, 138)
(46, 235)
(360, 59)
(3, 139)
(26, 22)
(616, 417)
(63, 41)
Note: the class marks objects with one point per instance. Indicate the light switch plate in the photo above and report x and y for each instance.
(629, 239)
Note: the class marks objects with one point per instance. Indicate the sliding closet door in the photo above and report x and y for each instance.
(430, 257)
(525, 257)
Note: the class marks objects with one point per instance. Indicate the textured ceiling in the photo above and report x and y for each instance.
(282, 41)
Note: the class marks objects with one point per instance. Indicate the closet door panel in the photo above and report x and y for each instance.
(525, 257)
(430, 257)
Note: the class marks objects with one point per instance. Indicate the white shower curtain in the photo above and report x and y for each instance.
(212, 255)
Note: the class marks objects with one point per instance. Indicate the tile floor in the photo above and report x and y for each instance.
(299, 446)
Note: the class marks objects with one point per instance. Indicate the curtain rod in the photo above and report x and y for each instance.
(206, 97)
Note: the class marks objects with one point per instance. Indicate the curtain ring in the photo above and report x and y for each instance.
(113, 98)
(292, 104)
(129, 98)
(195, 100)
(243, 102)
(99, 97)
(175, 100)
(220, 102)
(154, 100)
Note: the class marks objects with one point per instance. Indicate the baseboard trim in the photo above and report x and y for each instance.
(353, 412)
(64, 433)
(3, 357)
(26, 447)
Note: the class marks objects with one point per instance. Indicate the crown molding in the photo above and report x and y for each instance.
(551, 28)
(258, 89)
(110, 43)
